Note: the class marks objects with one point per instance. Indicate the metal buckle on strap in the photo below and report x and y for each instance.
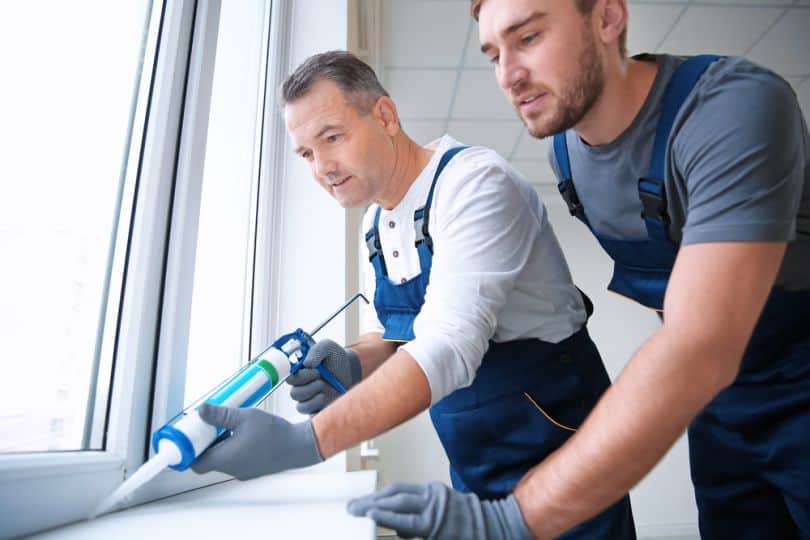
(654, 205)
(373, 244)
(569, 195)
(420, 224)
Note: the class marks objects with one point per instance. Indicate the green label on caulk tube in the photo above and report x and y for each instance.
(270, 369)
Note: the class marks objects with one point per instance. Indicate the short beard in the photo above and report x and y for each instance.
(578, 96)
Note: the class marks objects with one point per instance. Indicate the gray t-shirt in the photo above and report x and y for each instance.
(738, 166)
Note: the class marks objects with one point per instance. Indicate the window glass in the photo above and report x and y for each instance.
(69, 75)
(220, 309)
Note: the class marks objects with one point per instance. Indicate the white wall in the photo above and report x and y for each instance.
(663, 503)
(313, 240)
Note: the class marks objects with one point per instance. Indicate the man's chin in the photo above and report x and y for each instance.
(349, 204)
(538, 131)
(542, 129)
(536, 128)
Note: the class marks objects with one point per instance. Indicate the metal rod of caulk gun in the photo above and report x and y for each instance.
(338, 312)
(317, 329)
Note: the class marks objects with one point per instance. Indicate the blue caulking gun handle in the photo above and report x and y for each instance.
(326, 375)
(329, 377)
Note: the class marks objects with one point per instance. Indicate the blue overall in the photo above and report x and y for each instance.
(527, 398)
(750, 447)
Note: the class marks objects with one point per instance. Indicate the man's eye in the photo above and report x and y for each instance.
(494, 59)
(332, 138)
(529, 38)
(306, 155)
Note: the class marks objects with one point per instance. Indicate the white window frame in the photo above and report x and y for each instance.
(270, 143)
(70, 484)
(148, 301)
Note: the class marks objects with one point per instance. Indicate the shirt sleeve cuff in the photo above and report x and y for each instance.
(436, 357)
(774, 231)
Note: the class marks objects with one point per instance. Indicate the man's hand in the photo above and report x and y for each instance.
(308, 388)
(436, 512)
(260, 443)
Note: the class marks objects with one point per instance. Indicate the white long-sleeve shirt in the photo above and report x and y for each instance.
(498, 272)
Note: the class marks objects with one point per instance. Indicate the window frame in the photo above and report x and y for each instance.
(70, 484)
(173, 345)
(145, 304)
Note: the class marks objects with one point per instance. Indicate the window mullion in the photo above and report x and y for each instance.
(185, 214)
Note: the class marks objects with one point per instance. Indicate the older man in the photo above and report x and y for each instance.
(474, 312)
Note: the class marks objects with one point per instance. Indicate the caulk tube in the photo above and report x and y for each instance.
(191, 435)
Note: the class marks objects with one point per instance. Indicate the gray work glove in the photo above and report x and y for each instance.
(436, 512)
(260, 443)
(308, 388)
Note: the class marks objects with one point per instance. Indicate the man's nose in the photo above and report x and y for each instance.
(511, 73)
(325, 167)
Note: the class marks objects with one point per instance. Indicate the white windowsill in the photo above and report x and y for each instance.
(299, 505)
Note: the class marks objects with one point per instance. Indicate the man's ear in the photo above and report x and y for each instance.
(611, 17)
(385, 112)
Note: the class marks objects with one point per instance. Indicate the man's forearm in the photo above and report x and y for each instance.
(631, 428)
(372, 351)
(394, 393)
(707, 323)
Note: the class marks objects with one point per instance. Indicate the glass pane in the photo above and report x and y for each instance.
(69, 72)
(220, 299)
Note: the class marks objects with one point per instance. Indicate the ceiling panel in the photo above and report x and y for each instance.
(473, 57)
(786, 47)
(423, 131)
(536, 172)
(531, 148)
(423, 33)
(795, 82)
(732, 3)
(803, 92)
(450, 83)
(500, 136)
(479, 96)
(421, 94)
(649, 24)
(719, 30)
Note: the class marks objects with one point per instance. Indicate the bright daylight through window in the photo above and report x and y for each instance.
(66, 105)
(220, 310)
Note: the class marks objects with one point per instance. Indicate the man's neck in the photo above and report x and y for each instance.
(409, 161)
(627, 85)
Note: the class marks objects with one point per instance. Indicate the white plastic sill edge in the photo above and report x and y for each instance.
(299, 505)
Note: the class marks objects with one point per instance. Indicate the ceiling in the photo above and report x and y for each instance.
(430, 62)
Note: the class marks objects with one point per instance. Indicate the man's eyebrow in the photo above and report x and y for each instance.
(512, 28)
(324, 129)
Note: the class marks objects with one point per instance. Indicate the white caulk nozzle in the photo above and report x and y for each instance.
(168, 454)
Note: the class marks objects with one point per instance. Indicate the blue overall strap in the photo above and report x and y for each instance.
(375, 254)
(651, 188)
(421, 215)
(566, 185)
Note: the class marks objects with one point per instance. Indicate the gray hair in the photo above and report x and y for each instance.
(355, 78)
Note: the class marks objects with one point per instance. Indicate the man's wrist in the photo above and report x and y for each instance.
(307, 433)
(513, 517)
(355, 369)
